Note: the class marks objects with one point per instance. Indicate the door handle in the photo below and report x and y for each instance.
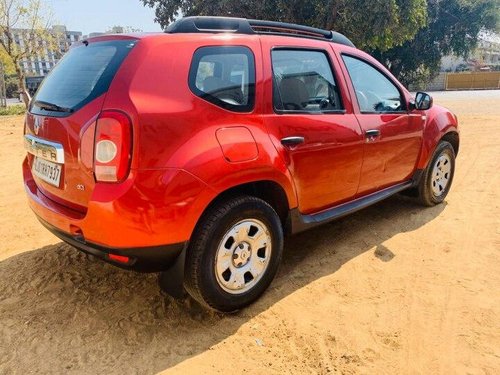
(372, 134)
(292, 141)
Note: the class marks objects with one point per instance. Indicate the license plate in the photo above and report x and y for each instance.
(47, 171)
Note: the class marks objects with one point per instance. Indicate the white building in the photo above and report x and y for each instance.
(41, 64)
(485, 57)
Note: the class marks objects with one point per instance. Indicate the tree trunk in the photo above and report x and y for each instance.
(333, 8)
(25, 95)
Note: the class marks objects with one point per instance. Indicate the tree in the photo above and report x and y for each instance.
(26, 20)
(453, 28)
(375, 24)
(6, 61)
(409, 36)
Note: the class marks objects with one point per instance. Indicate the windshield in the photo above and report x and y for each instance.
(82, 75)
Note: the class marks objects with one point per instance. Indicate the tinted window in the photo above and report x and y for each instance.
(82, 75)
(224, 76)
(374, 91)
(303, 81)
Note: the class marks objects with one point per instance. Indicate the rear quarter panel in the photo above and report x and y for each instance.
(173, 128)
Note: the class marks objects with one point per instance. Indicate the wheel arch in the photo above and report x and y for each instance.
(441, 125)
(453, 138)
(268, 190)
(172, 279)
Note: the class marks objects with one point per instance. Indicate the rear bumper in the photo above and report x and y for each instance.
(148, 218)
(142, 259)
(151, 208)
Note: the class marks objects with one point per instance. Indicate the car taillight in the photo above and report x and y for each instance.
(112, 147)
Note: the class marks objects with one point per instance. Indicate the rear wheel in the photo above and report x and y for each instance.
(234, 253)
(438, 176)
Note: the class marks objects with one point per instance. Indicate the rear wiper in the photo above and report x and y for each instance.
(51, 107)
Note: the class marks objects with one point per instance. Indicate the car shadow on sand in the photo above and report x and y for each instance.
(62, 310)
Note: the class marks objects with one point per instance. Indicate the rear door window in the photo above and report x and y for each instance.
(224, 76)
(82, 75)
(304, 82)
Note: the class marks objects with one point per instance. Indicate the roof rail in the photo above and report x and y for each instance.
(203, 24)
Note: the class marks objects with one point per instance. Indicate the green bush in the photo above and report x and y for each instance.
(13, 110)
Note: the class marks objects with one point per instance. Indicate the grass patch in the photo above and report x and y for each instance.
(13, 110)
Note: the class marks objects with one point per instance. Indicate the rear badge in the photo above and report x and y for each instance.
(80, 187)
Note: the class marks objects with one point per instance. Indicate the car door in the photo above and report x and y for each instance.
(393, 137)
(311, 123)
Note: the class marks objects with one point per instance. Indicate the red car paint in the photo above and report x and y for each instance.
(186, 151)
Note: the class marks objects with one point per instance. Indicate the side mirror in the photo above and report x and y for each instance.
(423, 101)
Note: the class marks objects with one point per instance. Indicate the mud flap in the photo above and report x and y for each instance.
(171, 281)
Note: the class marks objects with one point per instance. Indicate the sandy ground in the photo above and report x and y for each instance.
(395, 288)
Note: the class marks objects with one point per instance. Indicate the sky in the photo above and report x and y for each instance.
(100, 15)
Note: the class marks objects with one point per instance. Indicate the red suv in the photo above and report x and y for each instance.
(193, 152)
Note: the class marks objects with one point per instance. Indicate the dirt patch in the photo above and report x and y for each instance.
(395, 288)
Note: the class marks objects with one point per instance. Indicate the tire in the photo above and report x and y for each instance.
(234, 253)
(438, 176)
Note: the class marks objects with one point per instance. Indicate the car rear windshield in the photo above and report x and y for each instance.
(82, 75)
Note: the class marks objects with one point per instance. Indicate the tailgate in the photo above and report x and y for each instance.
(60, 124)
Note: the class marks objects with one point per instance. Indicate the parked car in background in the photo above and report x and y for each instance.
(194, 152)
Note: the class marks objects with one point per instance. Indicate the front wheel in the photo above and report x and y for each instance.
(438, 176)
(234, 253)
